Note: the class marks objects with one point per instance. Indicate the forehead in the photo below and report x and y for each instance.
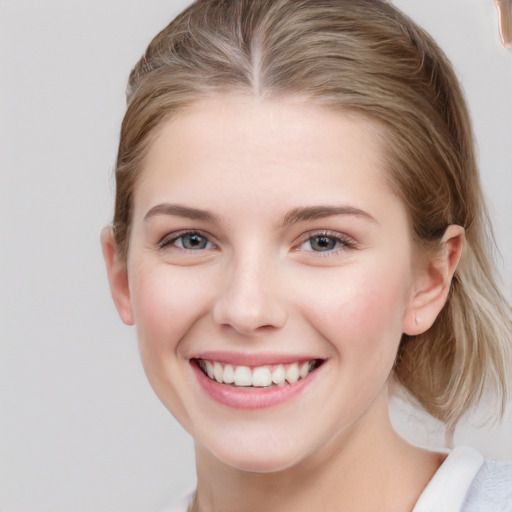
(254, 152)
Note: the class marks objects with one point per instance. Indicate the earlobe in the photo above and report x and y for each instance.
(117, 276)
(432, 284)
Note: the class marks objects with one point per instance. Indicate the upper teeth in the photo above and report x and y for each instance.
(259, 376)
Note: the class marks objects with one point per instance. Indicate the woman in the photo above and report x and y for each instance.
(299, 229)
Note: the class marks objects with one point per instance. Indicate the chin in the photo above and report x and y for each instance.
(263, 462)
(263, 455)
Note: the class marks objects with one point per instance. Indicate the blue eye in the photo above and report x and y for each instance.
(322, 243)
(190, 241)
(326, 242)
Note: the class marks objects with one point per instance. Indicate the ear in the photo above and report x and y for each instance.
(117, 275)
(432, 283)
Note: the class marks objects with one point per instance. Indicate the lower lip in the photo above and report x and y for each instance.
(248, 397)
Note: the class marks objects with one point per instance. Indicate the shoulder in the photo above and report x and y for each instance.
(491, 489)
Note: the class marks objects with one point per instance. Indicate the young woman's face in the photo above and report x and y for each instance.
(267, 247)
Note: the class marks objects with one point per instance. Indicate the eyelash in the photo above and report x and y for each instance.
(172, 238)
(342, 242)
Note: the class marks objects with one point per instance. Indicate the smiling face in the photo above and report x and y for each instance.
(267, 249)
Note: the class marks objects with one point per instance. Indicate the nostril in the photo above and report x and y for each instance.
(252, 318)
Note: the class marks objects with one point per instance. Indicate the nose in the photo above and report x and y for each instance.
(250, 301)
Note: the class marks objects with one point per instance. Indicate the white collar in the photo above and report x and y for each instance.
(448, 488)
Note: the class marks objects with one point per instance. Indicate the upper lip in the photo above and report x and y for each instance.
(254, 359)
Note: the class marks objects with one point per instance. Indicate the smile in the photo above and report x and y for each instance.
(257, 377)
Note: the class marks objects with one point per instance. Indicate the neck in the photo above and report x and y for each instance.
(367, 467)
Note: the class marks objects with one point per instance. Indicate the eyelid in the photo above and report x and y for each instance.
(168, 239)
(347, 241)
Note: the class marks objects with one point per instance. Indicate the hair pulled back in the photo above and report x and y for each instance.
(367, 57)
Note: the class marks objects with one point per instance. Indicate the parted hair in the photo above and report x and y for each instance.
(367, 57)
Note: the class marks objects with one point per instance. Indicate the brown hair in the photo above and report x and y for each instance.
(368, 57)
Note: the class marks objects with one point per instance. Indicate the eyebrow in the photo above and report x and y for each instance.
(179, 211)
(319, 212)
(301, 214)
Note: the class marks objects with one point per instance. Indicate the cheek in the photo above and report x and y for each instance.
(361, 315)
(166, 304)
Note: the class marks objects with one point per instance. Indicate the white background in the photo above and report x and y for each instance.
(80, 428)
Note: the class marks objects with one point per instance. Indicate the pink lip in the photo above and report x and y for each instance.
(252, 359)
(250, 398)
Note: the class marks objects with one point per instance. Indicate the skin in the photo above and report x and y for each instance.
(258, 282)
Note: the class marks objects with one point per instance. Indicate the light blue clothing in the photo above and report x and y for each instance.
(467, 483)
(463, 483)
(491, 489)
